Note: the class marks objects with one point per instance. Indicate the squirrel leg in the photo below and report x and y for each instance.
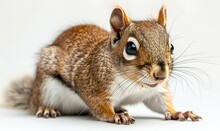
(162, 103)
(37, 100)
(45, 69)
(105, 112)
(172, 114)
(123, 111)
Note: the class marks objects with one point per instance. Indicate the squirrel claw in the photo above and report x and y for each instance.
(182, 116)
(122, 118)
(46, 112)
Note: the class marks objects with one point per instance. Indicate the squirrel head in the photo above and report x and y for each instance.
(141, 49)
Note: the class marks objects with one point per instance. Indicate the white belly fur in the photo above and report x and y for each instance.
(59, 96)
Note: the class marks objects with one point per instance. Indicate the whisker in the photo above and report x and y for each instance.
(198, 80)
(194, 68)
(184, 51)
(194, 75)
(195, 60)
(124, 82)
(177, 77)
(81, 112)
(128, 87)
(176, 37)
(170, 30)
(171, 80)
(137, 82)
(187, 81)
(189, 74)
(199, 55)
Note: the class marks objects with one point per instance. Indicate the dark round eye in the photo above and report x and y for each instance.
(131, 48)
(171, 48)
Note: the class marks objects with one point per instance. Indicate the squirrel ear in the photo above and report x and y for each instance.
(162, 17)
(119, 20)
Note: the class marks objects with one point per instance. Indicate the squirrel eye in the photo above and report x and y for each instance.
(171, 48)
(131, 48)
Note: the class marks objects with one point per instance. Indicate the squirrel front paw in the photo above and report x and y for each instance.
(47, 112)
(182, 116)
(121, 118)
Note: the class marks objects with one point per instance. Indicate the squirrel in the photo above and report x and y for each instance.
(90, 70)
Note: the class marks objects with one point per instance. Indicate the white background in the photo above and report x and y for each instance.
(28, 25)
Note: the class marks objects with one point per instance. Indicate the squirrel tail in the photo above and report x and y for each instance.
(19, 93)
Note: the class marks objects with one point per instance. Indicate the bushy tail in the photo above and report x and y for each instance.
(19, 93)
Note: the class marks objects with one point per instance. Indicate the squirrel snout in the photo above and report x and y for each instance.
(161, 75)
(160, 71)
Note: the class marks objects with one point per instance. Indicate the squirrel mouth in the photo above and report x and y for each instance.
(151, 85)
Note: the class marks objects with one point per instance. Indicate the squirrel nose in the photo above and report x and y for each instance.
(160, 75)
(160, 71)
